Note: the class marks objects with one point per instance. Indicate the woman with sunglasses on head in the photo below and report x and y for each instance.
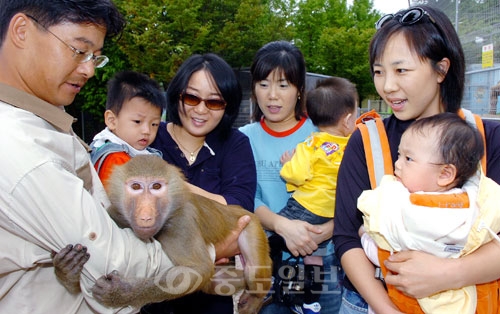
(278, 94)
(203, 101)
(418, 69)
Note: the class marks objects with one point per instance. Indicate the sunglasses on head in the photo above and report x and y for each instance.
(212, 104)
(410, 17)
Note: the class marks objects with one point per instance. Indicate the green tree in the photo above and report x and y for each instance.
(149, 40)
(161, 34)
(254, 25)
(344, 53)
(334, 38)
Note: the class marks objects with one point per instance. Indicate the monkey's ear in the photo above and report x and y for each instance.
(110, 119)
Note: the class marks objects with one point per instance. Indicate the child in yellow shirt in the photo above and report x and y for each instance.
(311, 171)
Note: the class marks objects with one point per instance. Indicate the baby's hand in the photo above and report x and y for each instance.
(361, 231)
(287, 156)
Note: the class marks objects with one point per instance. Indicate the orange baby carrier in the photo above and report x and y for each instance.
(379, 162)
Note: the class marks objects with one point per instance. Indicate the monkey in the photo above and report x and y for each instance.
(150, 196)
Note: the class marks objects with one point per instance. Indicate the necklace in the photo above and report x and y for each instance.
(192, 155)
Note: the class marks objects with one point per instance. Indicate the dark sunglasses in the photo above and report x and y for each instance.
(212, 104)
(410, 17)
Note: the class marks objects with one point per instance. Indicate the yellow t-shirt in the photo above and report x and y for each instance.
(312, 172)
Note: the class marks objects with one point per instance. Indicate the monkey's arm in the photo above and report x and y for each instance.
(110, 290)
(114, 291)
(192, 273)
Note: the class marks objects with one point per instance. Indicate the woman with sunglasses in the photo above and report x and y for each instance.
(278, 90)
(203, 101)
(418, 68)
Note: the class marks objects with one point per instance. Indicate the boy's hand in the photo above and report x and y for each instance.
(287, 156)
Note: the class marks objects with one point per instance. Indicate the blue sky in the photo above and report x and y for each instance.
(390, 6)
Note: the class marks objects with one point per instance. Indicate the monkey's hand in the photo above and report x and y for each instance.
(68, 265)
(110, 290)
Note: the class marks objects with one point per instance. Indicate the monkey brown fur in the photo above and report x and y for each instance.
(151, 197)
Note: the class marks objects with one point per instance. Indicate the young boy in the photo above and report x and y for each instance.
(311, 171)
(134, 107)
(436, 202)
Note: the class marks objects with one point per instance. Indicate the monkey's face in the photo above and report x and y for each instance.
(146, 201)
(145, 192)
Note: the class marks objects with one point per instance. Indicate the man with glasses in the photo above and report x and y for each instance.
(50, 195)
(78, 55)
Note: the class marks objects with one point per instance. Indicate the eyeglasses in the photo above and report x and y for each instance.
(212, 104)
(410, 17)
(78, 55)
